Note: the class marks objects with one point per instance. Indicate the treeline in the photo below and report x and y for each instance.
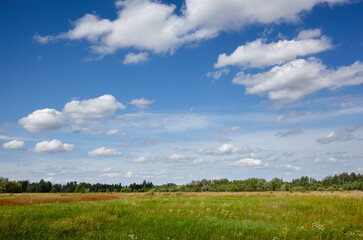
(338, 182)
(7, 186)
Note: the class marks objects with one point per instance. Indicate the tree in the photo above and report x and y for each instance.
(53, 190)
(126, 189)
(13, 187)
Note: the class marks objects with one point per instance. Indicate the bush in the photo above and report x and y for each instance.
(126, 189)
(150, 192)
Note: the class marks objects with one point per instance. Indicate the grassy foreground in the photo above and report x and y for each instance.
(277, 215)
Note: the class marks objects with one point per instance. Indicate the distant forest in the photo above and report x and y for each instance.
(340, 182)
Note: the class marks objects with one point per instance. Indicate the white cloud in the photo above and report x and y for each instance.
(216, 75)
(296, 168)
(115, 132)
(176, 156)
(309, 34)
(141, 102)
(339, 135)
(145, 159)
(53, 146)
(133, 58)
(157, 27)
(43, 120)
(44, 39)
(94, 108)
(104, 152)
(90, 131)
(226, 148)
(231, 129)
(296, 79)
(250, 162)
(260, 54)
(15, 144)
(110, 175)
(107, 169)
(129, 174)
(6, 137)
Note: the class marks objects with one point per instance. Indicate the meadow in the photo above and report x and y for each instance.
(251, 215)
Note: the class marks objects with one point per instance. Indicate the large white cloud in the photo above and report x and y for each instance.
(104, 152)
(157, 27)
(94, 108)
(53, 146)
(260, 54)
(14, 144)
(43, 120)
(296, 79)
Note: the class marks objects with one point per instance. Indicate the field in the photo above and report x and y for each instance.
(265, 215)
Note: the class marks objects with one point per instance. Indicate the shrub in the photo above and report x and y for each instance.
(126, 189)
(150, 192)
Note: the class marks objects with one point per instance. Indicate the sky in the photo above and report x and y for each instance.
(173, 91)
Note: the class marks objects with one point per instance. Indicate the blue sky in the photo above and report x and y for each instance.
(171, 91)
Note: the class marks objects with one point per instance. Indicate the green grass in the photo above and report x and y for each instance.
(210, 216)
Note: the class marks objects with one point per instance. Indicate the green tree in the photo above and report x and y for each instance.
(53, 190)
(126, 189)
(13, 187)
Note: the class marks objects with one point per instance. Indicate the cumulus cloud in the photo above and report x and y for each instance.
(14, 144)
(260, 54)
(53, 146)
(141, 102)
(250, 162)
(133, 58)
(296, 79)
(231, 129)
(145, 159)
(79, 112)
(115, 132)
(158, 27)
(43, 120)
(225, 149)
(94, 108)
(178, 158)
(104, 152)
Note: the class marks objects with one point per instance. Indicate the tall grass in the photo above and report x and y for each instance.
(190, 216)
